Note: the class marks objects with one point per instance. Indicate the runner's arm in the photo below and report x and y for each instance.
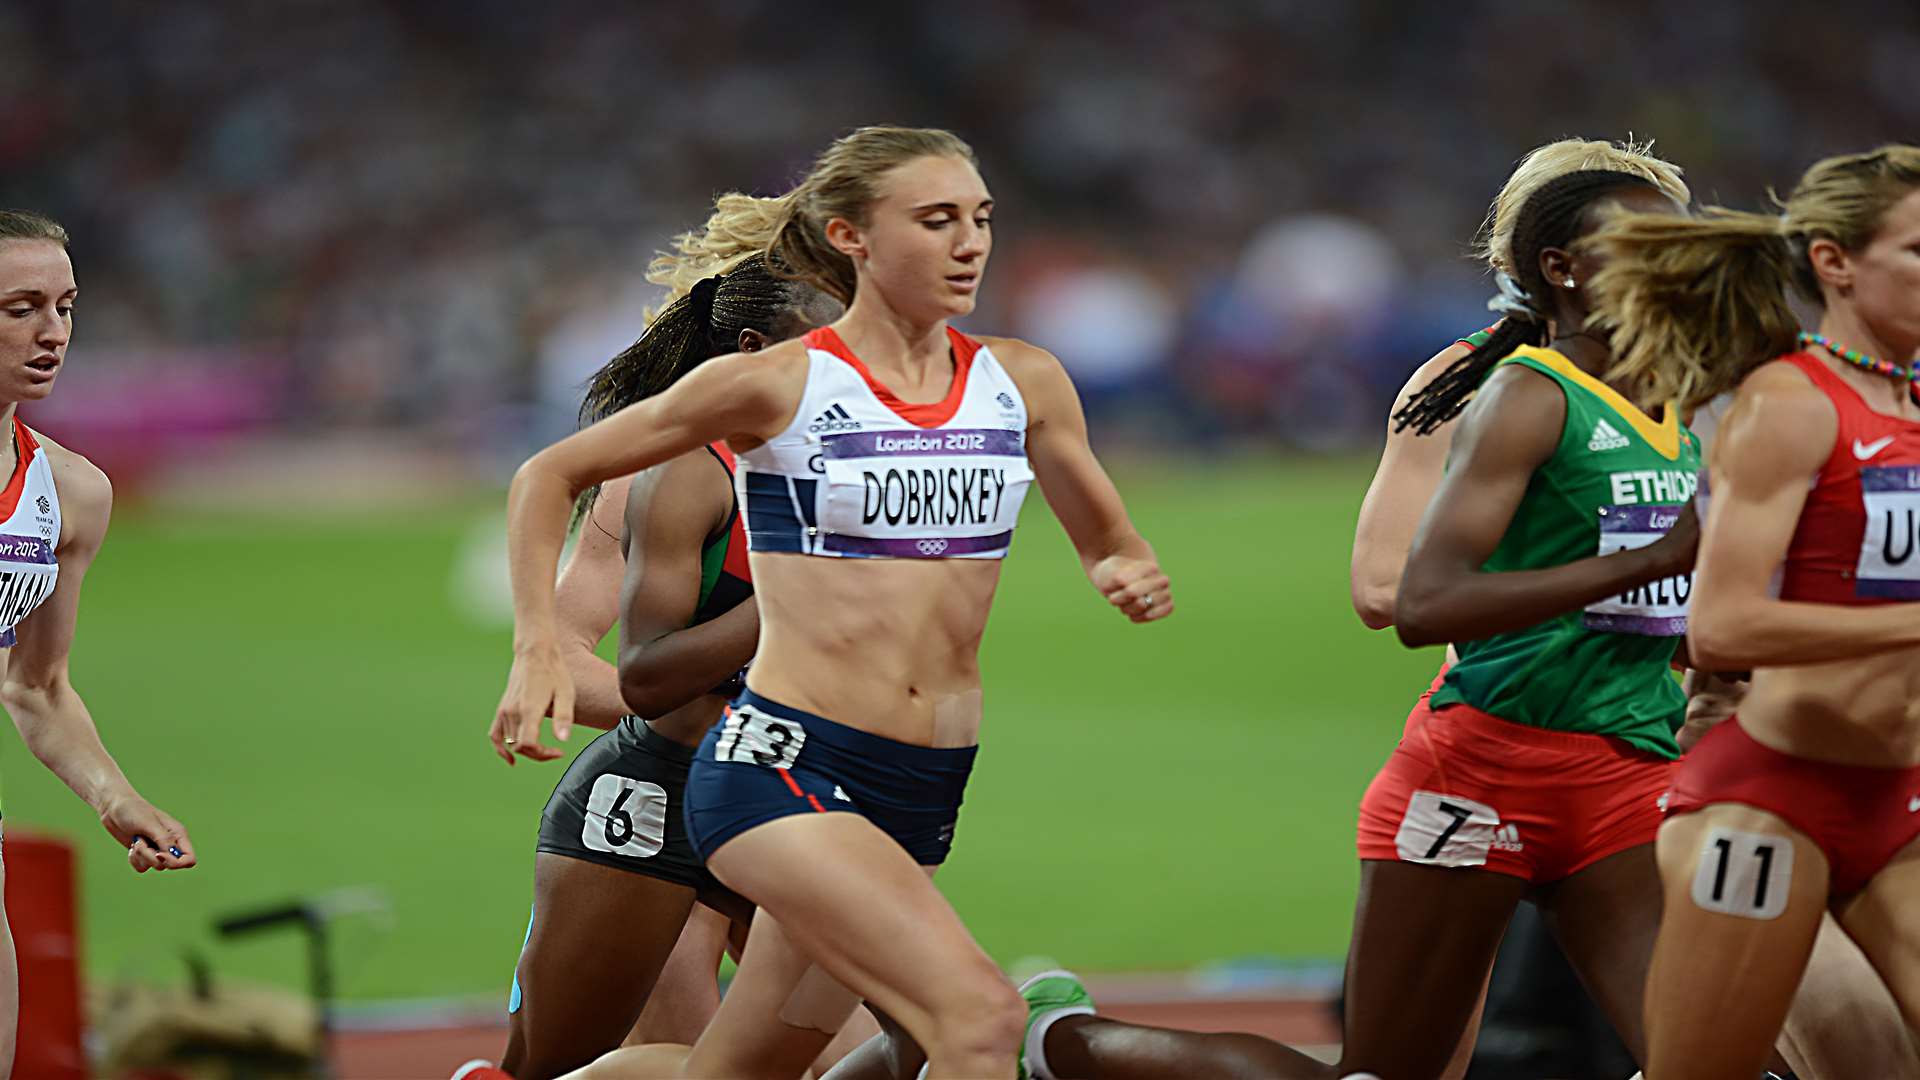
(1410, 469)
(586, 603)
(743, 396)
(1511, 428)
(664, 663)
(1778, 434)
(39, 694)
(1116, 558)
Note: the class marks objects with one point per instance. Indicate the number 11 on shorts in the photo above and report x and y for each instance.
(1742, 873)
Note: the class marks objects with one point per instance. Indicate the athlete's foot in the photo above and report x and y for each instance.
(480, 1069)
(1051, 996)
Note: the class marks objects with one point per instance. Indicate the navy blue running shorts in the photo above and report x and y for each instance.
(765, 760)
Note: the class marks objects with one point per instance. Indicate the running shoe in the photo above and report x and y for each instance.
(1051, 996)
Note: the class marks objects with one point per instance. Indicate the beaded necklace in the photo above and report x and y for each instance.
(1862, 360)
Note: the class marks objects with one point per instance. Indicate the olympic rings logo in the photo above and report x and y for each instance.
(931, 547)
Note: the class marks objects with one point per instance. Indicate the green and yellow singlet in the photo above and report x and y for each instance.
(1616, 481)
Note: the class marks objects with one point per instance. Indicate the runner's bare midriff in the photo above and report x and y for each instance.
(1863, 711)
(888, 646)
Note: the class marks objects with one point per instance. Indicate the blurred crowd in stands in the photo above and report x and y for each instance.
(1237, 222)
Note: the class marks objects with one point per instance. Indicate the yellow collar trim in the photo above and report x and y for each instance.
(1663, 435)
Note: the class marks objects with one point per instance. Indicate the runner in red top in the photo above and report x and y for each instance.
(1810, 797)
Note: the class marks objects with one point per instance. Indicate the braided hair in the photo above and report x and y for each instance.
(695, 328)
(1552, 218)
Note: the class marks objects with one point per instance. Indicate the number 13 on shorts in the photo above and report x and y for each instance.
(752, 737)
(1446, 830)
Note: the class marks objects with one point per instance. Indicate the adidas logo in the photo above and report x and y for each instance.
(835, 418)
(1605, 437)
(1507, 838)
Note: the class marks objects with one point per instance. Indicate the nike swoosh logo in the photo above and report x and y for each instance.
(1863, 451)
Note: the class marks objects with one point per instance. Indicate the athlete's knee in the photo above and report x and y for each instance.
(978, 1015)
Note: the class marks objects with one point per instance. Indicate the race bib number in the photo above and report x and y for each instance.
(1657, 608)
(1888, 563)
(752, 737)
(924, 494)
(1744, 874)
(625, 817)
(1446, 830)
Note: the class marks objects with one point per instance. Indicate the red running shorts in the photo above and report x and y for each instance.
(1859, 815)
(1466, 788)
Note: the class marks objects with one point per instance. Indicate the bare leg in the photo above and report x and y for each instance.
(9, 988)
(1883, 920)
(779, 1015)
(1606, 917)
(1424, 938)
(688, 992)
(1093, 1046)
(583, 987)
(1843, 1021)
(1744, 893)
(856, 1032)
(847, 896)
(1080, 1047)
(890, 1055)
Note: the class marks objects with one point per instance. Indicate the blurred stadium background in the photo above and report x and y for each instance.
(345, 262)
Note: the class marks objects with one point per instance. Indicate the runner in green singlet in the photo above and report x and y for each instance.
(1545, 557)
(1530, 968)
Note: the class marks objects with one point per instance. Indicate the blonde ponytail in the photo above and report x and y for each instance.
(1692, 304)
(740, 226)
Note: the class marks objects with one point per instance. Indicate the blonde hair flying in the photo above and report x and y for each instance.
(1694, 304)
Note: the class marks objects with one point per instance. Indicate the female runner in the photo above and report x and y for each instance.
(53, 518)
(1546, 557)
(1844, 1023)
(1809, 800)
(613, 849)
(883, 460)
(1411, 463)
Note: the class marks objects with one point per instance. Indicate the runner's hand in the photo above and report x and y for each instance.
(537, 687)
(1135, 586)
(1707, 709)
(151, 836)
(1676, 550)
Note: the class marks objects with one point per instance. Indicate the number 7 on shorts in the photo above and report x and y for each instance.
(1446, 830)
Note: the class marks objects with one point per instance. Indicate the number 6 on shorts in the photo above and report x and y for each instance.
(625, 817)
(1744, 874)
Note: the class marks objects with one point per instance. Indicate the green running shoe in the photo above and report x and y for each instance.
(1051, 995)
